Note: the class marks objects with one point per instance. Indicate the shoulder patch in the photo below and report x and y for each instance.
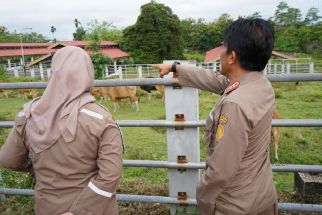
(220, 132)
(91, 113)
(223, 119)
(232, 87)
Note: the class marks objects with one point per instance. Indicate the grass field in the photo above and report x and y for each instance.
(297, 146)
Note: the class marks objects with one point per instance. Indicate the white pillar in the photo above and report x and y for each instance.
(9, 64)
(265, 70)
(16, 73)
(41, 70)
(275, 68)
(21, 61)
(32, 72)
(311, 67)
(140, 72)
(120, 72)
(115, 67)
(48, 72)
(288, 68)
(32, 59)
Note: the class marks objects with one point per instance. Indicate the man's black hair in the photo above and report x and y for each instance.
(252, 40)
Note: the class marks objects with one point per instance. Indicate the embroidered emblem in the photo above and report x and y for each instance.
(223, 119)
(220, 132)
(232, 87)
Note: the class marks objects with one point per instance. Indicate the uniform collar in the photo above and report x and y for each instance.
(251, 76)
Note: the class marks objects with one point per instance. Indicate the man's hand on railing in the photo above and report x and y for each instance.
(164, 69)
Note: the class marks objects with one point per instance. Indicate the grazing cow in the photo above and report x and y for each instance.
(118, 93)
(4, 92)
(276, 134)
(23, 93)
(150, 88)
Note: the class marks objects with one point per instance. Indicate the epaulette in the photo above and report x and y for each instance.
(232, 87)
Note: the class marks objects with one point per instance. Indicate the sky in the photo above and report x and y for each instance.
(41, 14)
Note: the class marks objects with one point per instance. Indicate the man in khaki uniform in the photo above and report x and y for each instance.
(73, 144)
(238, 178)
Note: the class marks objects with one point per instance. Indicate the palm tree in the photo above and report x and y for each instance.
(53, 29)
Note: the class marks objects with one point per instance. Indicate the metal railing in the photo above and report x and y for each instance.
(196, 123)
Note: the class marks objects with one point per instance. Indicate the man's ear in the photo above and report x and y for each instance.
(232, 58)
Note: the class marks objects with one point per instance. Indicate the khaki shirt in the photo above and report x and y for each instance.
(80, 176)
(238, 178)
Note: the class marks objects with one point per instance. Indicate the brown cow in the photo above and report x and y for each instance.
(118, 93)
(276, 133)
(23, 93)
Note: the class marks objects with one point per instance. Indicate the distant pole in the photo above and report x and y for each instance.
(22, 55)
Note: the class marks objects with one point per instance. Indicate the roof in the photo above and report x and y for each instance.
(17, 52)
(13, 49)
(114, 53)
(81, 43)
(213, 54)
(282, 55)
(8, 45)
(39, 60)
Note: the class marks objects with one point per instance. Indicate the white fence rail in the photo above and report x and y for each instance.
(131, 71)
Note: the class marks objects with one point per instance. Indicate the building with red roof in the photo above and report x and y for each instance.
(43, 52)
(213, 55)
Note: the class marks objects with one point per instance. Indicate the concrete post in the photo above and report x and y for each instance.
(120, 72)
(32, 72)
(140, 72)
(16, 72)
(311, 67)
(41, 70)
(288, 68)
(48, 72)
(183, 144)
(265, 70)
(115, 66)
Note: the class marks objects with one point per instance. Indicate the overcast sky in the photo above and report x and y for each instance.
(41, 14)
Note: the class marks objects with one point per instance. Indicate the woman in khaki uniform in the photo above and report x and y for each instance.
(238, 179)
(73, 143)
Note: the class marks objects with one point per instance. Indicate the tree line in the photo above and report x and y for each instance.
(159, 34)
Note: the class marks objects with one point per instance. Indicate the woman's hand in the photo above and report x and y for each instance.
(163, 68)
(68, 213)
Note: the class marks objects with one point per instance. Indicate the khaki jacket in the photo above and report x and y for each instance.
(80, 176)
(238, 178)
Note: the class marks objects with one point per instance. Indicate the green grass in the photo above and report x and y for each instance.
(297, 145)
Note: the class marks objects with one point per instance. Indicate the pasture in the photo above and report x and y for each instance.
(297, 146)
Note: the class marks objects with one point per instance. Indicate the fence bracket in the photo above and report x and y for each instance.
(182, 198)
(179, 118)
(182, 159)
